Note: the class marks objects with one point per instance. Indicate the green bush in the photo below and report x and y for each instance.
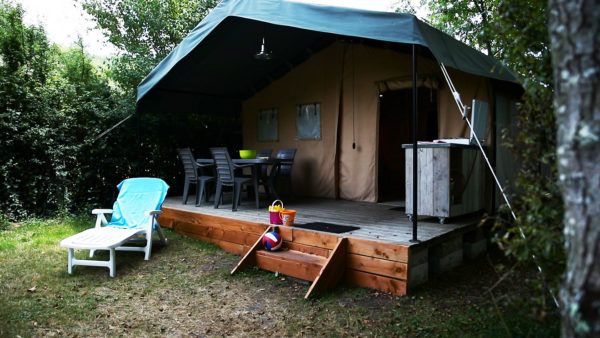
(53, 105)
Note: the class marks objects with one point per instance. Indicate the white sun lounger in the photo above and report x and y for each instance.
(136, 193)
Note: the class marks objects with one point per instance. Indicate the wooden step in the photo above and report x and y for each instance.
(324, 273)
(291, 263)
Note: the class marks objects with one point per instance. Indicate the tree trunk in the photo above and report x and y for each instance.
(575, 41)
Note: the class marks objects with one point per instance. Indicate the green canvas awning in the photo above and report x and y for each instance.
(213, 69)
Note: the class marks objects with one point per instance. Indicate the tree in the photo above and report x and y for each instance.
(515, 32)
(52, 105)
(470, 21)
(408, 6)
(574, 30)
(145, 31)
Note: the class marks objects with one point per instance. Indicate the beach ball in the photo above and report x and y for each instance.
(272, 241)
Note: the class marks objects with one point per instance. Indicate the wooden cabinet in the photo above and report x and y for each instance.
(450, 180)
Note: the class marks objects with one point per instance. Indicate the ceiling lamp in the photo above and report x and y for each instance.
(263, 54)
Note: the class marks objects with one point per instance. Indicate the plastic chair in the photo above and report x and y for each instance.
(284, 167)
(226, 178)
(194, 174)
(263, 176)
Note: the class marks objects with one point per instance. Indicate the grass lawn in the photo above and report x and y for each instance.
(186, 290)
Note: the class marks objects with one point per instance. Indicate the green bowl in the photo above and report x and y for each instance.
(246, 154)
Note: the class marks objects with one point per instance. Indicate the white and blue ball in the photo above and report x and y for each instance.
(272, 241)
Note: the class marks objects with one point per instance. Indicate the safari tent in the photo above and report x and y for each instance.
(353, 66)
(338, 85)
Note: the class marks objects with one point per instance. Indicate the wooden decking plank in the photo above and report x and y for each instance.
(217, 232)
(234, 248)
(201, 218)
(318, 239)
(377, 266)
(392, 285)
(387, 251)
(332, 271)
(307, 249)
(290, 263)
(376, 221)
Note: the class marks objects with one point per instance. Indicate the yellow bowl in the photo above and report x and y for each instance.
(247, 154)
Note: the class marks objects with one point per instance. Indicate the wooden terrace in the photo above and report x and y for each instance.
(379, 255)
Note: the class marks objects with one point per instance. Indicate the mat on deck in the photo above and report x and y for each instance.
(327, 227)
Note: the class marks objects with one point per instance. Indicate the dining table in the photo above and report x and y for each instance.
(255, 164)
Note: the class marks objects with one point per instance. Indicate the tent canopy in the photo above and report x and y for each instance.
(213, 69)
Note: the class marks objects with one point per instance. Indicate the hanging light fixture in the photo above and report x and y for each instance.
(263, 54)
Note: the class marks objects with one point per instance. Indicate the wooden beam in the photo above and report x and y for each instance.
(332, 271)
(216, 232)
(234, 248)
(291, 263)
(250, 256)
(377, 266)
(314, 250)
(386, 284)
(389, 251)
(204, 219)
(313, 238)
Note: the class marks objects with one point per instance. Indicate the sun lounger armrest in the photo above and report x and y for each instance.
(100, 218)
(102, 211)
(154, 212)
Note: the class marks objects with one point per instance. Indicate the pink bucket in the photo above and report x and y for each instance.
(275, 216)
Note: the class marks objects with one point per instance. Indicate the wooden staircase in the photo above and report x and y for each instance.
(324, 273)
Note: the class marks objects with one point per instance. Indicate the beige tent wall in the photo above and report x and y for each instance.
(316, 80)
(319, 80)
(358, 167)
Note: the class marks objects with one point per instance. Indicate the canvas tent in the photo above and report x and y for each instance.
(343, 59)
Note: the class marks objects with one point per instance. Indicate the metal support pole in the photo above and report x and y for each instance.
(414, 136)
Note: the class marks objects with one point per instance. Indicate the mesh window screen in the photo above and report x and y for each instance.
(267, 125)
(308, 121)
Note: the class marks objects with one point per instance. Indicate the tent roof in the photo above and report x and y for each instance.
(215, 62)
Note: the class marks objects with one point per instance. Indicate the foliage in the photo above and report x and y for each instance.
(408, 6)
(53, 102)
(145, 31)
(470, 21)
(515, 32)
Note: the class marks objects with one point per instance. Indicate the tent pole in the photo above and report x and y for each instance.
(414, 147)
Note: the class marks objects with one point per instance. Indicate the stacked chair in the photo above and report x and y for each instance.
(194, 174)
(283, 170)
(226, 177)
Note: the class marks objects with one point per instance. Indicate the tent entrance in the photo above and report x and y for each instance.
(395, 123)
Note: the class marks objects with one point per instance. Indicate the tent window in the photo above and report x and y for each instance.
(268, 125)
(308, 121)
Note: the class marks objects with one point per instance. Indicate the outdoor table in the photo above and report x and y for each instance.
(255, 164)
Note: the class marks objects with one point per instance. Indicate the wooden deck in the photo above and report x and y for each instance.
(379, 255)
